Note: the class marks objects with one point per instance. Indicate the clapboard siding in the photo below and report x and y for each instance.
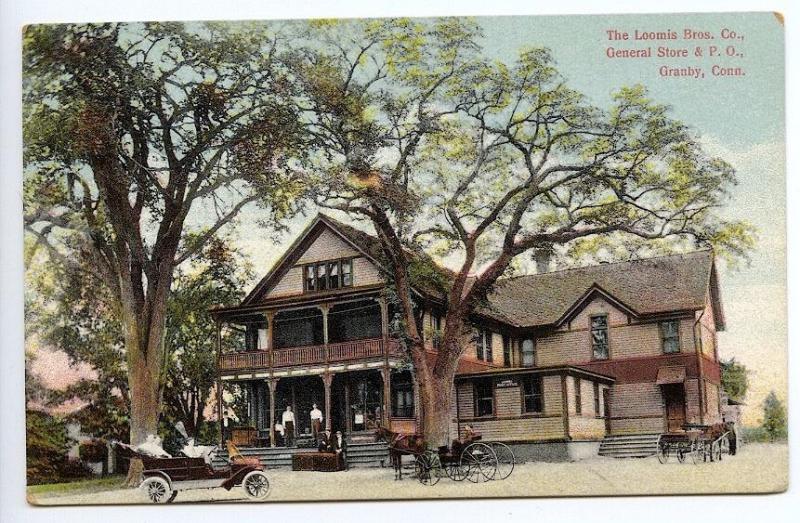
(328, 246)
(572, 342)
(522, 429)
(636, 399)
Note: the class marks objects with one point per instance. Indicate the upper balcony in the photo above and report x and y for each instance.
(343, 352)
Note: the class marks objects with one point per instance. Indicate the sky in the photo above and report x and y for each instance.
(739, 118)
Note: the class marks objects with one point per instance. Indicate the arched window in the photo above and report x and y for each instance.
(528, 352)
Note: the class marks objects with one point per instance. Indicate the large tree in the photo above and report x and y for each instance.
(141, 142)
(486, 161)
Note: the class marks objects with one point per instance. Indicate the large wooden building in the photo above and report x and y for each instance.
(559, 361)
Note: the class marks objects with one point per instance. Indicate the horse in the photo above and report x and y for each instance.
(399, 445)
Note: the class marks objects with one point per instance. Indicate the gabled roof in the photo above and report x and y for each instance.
(650, 286)
(644, 287)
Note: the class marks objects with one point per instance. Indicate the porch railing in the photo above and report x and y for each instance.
(308, 355)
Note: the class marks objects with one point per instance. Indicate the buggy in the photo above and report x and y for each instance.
(698, 444)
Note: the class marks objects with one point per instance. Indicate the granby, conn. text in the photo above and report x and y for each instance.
(728, 47)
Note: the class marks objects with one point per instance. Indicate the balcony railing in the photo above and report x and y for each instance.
(309, 355)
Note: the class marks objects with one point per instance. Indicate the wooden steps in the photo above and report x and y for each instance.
(358, 455)
(629, 446)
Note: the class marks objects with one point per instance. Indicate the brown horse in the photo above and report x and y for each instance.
(399, 445)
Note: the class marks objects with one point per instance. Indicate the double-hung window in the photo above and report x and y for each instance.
(484, 345)
(528, 352)
(532, 396)
(599, 328)
(578, 396)
(506, 350)
(670, 340)
(484, 397)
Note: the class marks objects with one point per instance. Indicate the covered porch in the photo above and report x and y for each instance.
(356, 401)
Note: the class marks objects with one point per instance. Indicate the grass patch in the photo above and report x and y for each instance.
(80, 486)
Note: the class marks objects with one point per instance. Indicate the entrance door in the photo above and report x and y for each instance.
(366, 400)
(607, 410)
(675, 403)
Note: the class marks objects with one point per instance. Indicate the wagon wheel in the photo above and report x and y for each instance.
(427, 469)
(505, 459)
(481, 462)
(157, 489)
(663, 452)
(256, 485)
(456, 471)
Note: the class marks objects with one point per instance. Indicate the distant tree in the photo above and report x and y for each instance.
(218, 276)
(142, 141)
(734, 379)
(774, 422)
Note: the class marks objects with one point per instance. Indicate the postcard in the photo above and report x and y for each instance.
(405, 258)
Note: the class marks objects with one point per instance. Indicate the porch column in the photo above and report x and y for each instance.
(327, 380)
(325, 308)
(219, 385)
(273, 387)
(348, 418)
(386, 374)
(270, 316)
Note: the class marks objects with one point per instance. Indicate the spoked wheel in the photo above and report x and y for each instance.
(505, 459)
(480, 461)
(456, 471)
(428, 469)
(724, 446)
(256, 485)
(663, 452)
(716, 451)
(157, 490)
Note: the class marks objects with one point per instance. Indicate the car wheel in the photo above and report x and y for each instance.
(157, 490)
(256, 485)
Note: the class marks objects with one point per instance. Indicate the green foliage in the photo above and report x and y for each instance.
(47, 444)
(734, 379)
(774, 423)
(217, 277)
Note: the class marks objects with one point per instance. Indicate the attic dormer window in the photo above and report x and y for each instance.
(328, 275)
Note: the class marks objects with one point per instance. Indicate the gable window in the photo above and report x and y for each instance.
(578, 397)
(506, 350)
(311, 279)
(532, 396)
(483, 391)
(328, 275)
(670, 341)
(528, 352)
(484, 345)
(599, 326)
(347, 273)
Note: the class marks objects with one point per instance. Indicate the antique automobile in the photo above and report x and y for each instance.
(164, 477)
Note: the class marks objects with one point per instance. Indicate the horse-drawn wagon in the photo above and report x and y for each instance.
(697, 444)
(470, 459)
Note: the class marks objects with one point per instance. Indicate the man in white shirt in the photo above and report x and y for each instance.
(316, 421)
(288, 426)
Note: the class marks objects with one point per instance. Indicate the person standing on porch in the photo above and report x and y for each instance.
(316, 421)
(279, 435)
(288, 426)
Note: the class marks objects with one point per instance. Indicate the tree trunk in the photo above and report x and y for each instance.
(437, 397)
(145, 355)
